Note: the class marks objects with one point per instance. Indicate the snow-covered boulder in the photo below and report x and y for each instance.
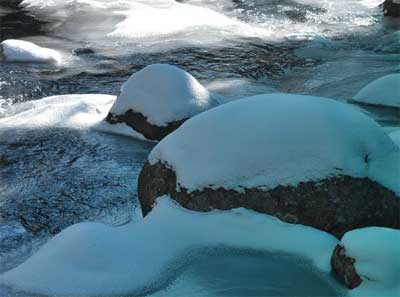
(304, 159)
(368, 261)
(158, 99)
(391, 8)
(384, 91)
(13, 50)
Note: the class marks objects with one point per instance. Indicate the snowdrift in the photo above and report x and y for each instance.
(13, 50)
(91, 259)
(74, 111)
(384, 91)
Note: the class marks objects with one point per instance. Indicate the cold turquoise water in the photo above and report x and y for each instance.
(246, 273)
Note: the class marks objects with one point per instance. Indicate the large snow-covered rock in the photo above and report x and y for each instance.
(13, 50)
(305, 159)
(158, 99)
(92, 259)
(368, 259)
(384, 91)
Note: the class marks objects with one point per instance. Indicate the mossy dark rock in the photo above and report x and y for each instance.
(139, 123)
(336, 205)
(390, 8)
(343, 268)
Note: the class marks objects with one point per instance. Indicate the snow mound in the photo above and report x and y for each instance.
(377, 254)
(102, 260)
(383, 91)
(69, 111)
(163, 93)
(278, 139)
(13, 50)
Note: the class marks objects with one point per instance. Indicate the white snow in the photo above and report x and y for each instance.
(14, 50)
(163, 93)
(74, 111)
(383, 91)
(91, 259)
(377, 254)
(278, 139)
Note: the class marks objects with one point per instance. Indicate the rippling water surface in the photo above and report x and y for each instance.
(51, 178)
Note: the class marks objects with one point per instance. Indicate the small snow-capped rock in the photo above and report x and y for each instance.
(158, 99)
(304, 159)
(391, 8)
(384, 91)
(367, 261)
(13, 50)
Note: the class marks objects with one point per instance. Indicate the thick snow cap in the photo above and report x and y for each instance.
(13, 50)
(163, 94)
(278, 139)
(383, 91)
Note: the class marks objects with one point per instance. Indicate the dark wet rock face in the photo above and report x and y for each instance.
(335, 205)
(16, 22)
(343, 268)
(390, 8)
(140, 124)
(82, 51)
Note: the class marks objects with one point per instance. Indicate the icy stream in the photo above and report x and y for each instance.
(51, 178)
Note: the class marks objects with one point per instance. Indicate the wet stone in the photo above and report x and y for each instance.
(391, 8)
(335, 205)
(344, 269)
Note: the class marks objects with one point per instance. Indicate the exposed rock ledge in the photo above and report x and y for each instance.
(335, 205)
